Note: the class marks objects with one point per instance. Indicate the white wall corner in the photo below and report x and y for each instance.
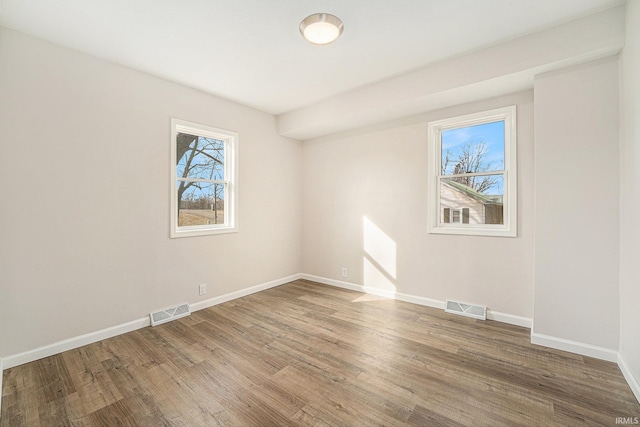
(576, 347)
(634, 383)
(428, 302)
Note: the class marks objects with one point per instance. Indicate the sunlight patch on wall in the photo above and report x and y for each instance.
(374, 278)
(379, 261)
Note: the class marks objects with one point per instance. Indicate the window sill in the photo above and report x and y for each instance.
(202, 232)
(475, 231)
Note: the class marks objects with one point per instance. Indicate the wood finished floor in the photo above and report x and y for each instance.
(308, 354)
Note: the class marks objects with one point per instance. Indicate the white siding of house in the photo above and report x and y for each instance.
(450, 198)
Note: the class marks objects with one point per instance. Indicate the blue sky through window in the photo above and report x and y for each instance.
(474, 149)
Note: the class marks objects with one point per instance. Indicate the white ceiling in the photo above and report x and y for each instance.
(251, 51)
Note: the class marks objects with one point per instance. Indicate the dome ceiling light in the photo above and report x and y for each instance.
(321, 28)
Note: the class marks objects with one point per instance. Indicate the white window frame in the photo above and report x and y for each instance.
(230, 179)
(510, 200)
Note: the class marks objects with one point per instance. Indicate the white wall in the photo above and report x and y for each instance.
(365, 208)
(577, 204)
(630, 198)
(84, 224)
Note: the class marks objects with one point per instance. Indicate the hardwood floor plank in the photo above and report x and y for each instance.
(423, 417)
(305, 354)
(234, 393)
(115, 414)
(53, 413)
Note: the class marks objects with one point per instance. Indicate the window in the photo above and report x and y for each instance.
(453, 216)
(472, 174)
(203, 179)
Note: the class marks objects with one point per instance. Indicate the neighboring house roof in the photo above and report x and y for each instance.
(470, 192)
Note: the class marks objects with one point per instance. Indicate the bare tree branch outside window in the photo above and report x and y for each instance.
(470, 159)
(200, 162)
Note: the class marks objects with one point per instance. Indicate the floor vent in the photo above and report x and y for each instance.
(469, 310)
(169, 314)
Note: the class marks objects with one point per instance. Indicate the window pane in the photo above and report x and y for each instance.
(479, 198)
(200, 203)
(199, 157)
(455, 216)
(473, 149)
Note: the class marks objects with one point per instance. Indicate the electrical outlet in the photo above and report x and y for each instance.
(344, 271)
(202, 289)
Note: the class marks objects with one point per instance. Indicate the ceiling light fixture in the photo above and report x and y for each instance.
(321, 28)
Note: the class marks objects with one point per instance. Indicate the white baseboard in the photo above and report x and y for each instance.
(79, 341)
(429, 302)
(633, 382)
(540, 339)
(337, 283)
(71, 343)
(575, 347)
(242, 292)
(375, 291)
(511, 319)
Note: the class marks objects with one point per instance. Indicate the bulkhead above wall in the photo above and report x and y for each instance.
(495, 71)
